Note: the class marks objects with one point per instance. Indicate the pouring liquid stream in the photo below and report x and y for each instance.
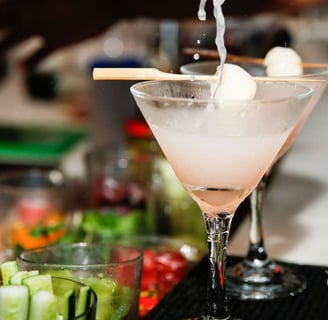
(219, 39)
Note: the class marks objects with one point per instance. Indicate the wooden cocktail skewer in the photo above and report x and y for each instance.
(155, 74)
(143, 74)
(213, 54)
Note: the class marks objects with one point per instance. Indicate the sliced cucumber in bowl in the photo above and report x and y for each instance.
(28, 295)
(43, 306)
(14, 302)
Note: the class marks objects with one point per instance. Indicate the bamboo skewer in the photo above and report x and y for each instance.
(213, 54)
(143, 74)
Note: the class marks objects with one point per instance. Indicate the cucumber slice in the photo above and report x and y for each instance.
(18, 277)
(83, 300)
(65, 292)
(43, 306)
(39, 282)
(122, 301)
(105, 289)
(61, 286)
(14, 302)
(8, 268)
(66, 305)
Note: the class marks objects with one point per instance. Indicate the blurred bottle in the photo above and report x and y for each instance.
(175, 213)
(140, 140)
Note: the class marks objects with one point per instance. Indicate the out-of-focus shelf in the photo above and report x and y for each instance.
(32, 131)
(16, 107)
(41, 145)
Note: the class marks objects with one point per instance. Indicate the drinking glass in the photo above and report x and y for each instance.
(219, 150)
(257, 276)
(119, 186)
(112, 271)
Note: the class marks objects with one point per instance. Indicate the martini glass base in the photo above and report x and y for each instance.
(245, 281)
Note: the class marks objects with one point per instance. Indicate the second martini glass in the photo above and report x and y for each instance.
(257, 276)
(219, 151)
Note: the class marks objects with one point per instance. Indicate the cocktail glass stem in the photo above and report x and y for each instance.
(217, 230)
(257, 277)
(256, 251)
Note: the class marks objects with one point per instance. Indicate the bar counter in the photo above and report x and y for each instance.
(188, 297)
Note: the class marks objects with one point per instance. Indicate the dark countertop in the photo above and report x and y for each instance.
(188, 296)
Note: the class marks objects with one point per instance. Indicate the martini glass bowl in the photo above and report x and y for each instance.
(257, 276)
(219, 150)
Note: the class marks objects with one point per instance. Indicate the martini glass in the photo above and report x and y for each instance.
(257, 276)
(219, 150)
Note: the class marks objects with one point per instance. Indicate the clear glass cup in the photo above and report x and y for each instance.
(219, 150)
(119, 186)
(257, 276)
(167, 260)
(112, 271)
(117, 180)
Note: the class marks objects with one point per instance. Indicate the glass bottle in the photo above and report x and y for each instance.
(174, 213)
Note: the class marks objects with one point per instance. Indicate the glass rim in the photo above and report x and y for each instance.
(136, 257)
(307, 92)
(107, 152)
(186, 69)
